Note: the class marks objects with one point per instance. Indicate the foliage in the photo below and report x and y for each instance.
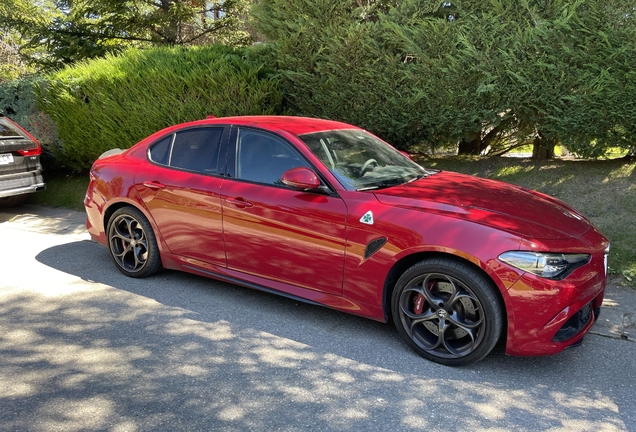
(18, 18)
(117, 101)
(561, 71)
(58, 32)
(502, 73)
(11, 64)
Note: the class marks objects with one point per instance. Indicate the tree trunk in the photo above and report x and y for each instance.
(471, 145)
(543, 147)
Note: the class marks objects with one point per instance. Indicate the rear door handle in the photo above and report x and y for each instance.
(153, 184)
(239, 202)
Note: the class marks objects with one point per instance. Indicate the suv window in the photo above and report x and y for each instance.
(263, 158)
(7, 130)
(192, 149)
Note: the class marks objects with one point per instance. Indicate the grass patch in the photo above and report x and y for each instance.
(604, 191)
(62, 190)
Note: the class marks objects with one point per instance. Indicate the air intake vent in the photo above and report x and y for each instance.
(373, 247)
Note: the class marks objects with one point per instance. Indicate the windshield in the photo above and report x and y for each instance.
(360, 161)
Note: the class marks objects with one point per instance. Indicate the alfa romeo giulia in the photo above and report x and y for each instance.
(327, 213)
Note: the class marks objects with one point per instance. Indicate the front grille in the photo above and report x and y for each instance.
(574, 324)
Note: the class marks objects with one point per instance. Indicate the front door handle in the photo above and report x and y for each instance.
(153, 184)
(239, 202)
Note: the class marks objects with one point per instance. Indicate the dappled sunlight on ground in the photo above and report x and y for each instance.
(165, 367)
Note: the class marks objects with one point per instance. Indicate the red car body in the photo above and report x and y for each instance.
(315, 246)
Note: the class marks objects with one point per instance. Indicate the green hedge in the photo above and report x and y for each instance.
(502, 72)
(117, 101)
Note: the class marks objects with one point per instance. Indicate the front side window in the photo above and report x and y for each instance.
(192, 149)
(360, 161)
(263, 158)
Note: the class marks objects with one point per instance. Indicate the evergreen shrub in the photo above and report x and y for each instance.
(116, 101)
(501, 73)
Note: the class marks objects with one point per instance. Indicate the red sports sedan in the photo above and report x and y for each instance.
(327, 213)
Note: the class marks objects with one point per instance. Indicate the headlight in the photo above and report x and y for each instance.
(547, 265)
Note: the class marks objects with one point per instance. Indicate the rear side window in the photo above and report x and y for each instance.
(7, 130)
(192, 149)
(160, 152)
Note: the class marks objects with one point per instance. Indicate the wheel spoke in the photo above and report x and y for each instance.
(442, 325)
(126, 249)
(140, 256)
(464, 324)
(466, 348)
(455, 291)
(426, 291)
(419, 319)
(118, 233)
(459, 297)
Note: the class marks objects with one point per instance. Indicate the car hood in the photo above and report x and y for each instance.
(524, 212)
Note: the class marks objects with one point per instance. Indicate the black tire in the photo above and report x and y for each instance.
(132, 243)
(13, 201)
(447, 312)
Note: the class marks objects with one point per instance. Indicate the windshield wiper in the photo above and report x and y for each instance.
(382, 184)
(396, 181)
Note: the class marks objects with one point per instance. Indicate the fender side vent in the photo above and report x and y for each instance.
(373, 247)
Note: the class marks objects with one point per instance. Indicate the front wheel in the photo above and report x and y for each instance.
(447, 312)
(132, 243)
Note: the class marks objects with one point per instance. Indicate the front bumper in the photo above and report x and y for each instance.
(546, 316)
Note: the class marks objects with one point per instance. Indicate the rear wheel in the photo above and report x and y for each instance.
(13, 201)
(132, 243)
(447, 312)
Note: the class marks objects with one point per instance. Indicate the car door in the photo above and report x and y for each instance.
(181, 189)
(272, 230)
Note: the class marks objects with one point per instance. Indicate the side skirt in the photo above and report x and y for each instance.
(303, 295)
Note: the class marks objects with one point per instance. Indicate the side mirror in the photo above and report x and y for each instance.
(301, 178)
(406, 154)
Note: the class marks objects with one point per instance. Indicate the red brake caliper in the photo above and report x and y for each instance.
(418, 304)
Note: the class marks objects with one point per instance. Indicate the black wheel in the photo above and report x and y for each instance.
(132, 243)
(447, 312)
(13, 201)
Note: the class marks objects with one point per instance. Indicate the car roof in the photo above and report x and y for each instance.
(293, 125)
